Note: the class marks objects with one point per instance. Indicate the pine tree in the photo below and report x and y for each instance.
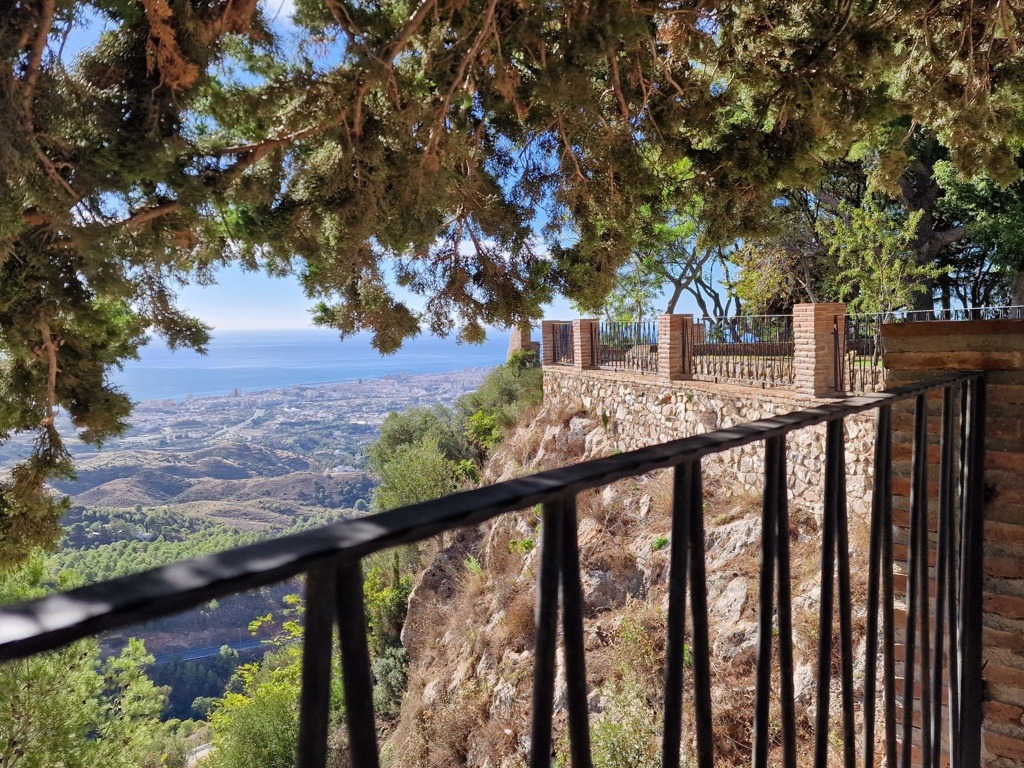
(419, 140)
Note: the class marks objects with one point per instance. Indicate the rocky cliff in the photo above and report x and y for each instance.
(469, 630)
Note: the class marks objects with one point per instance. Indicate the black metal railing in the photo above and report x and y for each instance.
(963, 313)
(857, 341)
(627, 346)
(751, 348)
(858, 347)
(330, 558)
(562, 349)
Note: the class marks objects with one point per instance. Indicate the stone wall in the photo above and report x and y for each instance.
(639, 410)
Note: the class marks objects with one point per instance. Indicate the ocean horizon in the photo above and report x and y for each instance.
(258, 360)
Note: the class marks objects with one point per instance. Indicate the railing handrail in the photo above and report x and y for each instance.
(925, 315)
(728, 318)
(49, 622)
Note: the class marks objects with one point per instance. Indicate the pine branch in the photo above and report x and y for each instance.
(278, 141)
(35, 58)
(148, 214)
(49, 348)
(54, 174)
(236, 18)
(617, 85)
(460, 74)
(411, 27)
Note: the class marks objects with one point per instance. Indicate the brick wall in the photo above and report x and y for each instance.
(917, 351)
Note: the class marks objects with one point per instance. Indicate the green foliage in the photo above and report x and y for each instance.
(201, 680)
(982, 266)
(386, 594)
(627, 734)
(425, 453)
(872, 246)
(257, 727)
(473, 565)
(482, 429)
(437, 425)
(379, 150)
(638, 286)
(69, 708)
(415, 473)
(521, 546)
(257, 721)
(120, 558)
(390, 675)
(506, 393)
(659, 542)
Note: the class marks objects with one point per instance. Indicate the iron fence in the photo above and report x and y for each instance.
(857, 341)
(627, 346)
(858, 347)
(330, 558)
(964, 313)
(562, 351)
(752, 348)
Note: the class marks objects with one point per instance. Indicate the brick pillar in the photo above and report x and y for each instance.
(583, 332)
(521, 339)
(919, 351)
(813, 352)
(672, 330)
(547, 342)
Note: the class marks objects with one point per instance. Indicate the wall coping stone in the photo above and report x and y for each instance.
(775, 394)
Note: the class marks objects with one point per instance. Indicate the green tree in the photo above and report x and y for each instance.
(871, 245)
(416, 472)
(67, 708)
(257, 720)
(436, 424)
(421, 142)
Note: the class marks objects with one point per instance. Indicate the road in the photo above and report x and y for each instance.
(202, 653)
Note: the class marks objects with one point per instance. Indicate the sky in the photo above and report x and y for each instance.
(255, 301)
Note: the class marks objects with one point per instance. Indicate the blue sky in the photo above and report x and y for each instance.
(255, 301)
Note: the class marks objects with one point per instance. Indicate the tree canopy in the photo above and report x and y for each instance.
(481, 153)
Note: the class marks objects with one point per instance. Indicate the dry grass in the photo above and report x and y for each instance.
(516, 628)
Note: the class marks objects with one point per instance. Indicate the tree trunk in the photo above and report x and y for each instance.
(1017, 292)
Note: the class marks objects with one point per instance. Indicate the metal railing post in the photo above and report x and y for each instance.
(972, 579)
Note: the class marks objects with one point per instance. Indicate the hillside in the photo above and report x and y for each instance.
(469, 629)
(248, 486)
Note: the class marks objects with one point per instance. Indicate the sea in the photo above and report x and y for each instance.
(252, 361)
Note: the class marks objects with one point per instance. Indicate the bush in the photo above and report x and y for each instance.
(438, 426)
(627, 734)
(414, 473)
(387, 597)
(390, 675)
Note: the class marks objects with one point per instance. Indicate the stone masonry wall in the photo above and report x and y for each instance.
(642, 410)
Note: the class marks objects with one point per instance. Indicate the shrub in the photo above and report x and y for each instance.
(627, 734)
(414, 473)
(387, 596)
(390, 675)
